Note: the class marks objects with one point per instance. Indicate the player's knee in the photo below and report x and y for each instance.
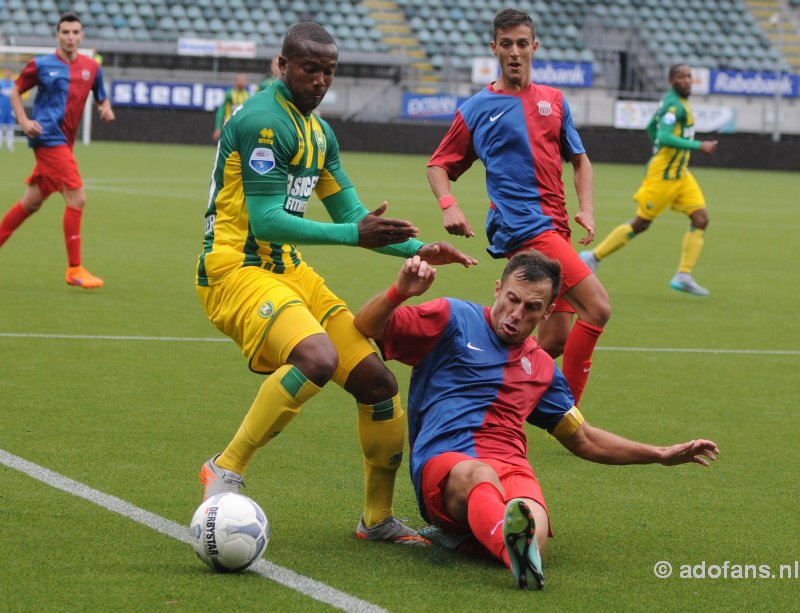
(600, 313)
(31, 206)
(467, 475)
(371, 382)
(316, 358)
(553, 346)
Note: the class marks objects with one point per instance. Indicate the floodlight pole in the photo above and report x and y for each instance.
(775, 19)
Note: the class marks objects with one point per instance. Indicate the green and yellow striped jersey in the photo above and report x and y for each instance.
(672, 131)
(270, 159)
(234, 98)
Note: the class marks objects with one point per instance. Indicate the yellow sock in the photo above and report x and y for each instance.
(692, 246)
(616, 239)
(276, 404)
(381, 432)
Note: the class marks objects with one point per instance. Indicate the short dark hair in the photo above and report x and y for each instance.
(300, 34)
(505, 19)
(673, 70)
(68, 16)
(534, 266)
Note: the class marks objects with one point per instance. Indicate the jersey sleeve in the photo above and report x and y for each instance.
(99, 87)
(554, 404)
(673, 115)
(28, 78)
(413, 331)
(265, 169)
(571, 143)
(455, 153)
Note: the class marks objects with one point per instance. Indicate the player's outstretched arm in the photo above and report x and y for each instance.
(604, 447)
(414, 279)
(584, 187)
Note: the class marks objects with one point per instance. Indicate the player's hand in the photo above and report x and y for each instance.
(699, 451)
(107, 114)
(455, 222)
(586, 219)
(708, 146)
(31, 128)
(444, 253)
(377, 231)
(415, 277)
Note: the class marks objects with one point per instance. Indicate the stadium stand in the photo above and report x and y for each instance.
(440, 39)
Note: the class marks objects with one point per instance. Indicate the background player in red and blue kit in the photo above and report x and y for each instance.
(6, 112)
(64, 80)
(521, 131)
(477, 377)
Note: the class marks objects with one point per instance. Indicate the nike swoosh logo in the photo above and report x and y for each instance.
(52, 74)
(496, 526)
(587, 369)
(473, 347)
(494, 118)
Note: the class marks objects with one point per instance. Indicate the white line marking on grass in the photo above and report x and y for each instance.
(309, 587)
(208, 339)
(700, 350)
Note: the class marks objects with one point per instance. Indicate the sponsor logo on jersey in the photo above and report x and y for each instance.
(669, 118)
(85, 74)
(321, 144)
(266, 310)
(262, 160)
(544, 108)
(266, 136)
(526, 365)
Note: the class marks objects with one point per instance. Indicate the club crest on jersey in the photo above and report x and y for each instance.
(320, 138)
(262, 160)
(526, 365)
(266, 310)
(266, 136)
(544, 108)
(85, 74)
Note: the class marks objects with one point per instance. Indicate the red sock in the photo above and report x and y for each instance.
(72, 234)
(486, 510)
(13, 220)
(578, 356)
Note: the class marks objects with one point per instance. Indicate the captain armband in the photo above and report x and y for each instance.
(568, 425)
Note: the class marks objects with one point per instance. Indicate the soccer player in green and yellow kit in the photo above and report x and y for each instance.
(255, 286)
(668, 182)
(234, 98)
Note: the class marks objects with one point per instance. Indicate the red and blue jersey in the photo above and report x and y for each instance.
(470, 392)
(63, 88)
(521, 138)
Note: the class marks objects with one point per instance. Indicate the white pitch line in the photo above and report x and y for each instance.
(208, 339)
(309, 587)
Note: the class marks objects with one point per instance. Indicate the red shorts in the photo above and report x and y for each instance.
(56, 170)
(517, 482)
(557, 246)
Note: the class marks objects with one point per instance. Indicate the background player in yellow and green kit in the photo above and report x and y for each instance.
(668, 183)
(256, 288)
(234, 98)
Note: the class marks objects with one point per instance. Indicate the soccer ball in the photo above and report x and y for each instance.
(229, 532)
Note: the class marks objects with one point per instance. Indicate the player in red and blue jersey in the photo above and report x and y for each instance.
(521, 131)
(6, 112)
(64, 80)
(477, 377)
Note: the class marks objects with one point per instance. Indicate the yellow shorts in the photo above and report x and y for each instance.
(655, 194)
(268, 314)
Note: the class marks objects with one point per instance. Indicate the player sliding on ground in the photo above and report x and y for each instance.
(478, 376)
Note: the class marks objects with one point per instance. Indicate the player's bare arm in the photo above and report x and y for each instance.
(106, 112)
(453, 218)
(584, 187)
(604, 447)
(30, 127)
(415, 278)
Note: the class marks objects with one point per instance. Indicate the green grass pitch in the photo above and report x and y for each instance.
(99, 386)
